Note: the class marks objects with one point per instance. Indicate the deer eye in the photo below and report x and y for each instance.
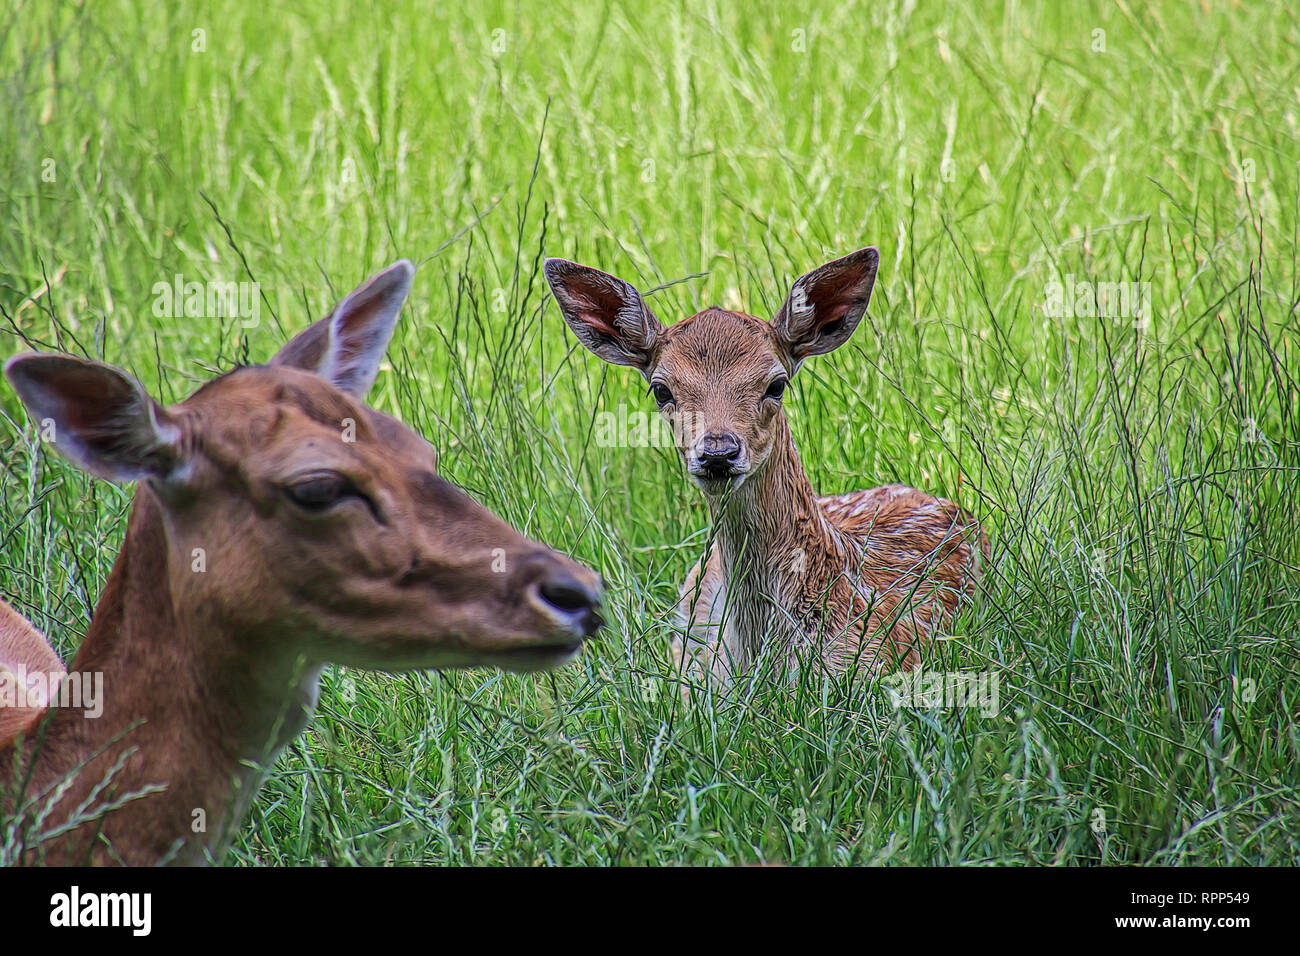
(776, 389)
(318, 492)
(661, 394)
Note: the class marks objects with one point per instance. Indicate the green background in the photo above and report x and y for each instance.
(1139, 483)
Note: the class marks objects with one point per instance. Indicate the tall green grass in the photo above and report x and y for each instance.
(1139, 480)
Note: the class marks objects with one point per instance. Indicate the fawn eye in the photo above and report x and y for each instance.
(318, 492)
(661, 394)
(776, 389)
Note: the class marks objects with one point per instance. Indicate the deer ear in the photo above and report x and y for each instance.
(98, 417)
(826, 305)
(605, 313)
(347, 345)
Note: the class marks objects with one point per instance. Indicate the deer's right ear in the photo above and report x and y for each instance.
(606, 314)
(98, 417)
(347, 345)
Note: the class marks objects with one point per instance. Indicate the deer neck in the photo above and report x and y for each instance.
(775, 547)
(189, 705)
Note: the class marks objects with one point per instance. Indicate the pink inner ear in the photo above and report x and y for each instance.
(593, 304)
(832, 296)
(354, 338)
(83, 395)
(832, 313)
(838, 290)
(600, 326)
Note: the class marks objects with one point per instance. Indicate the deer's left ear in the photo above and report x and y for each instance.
(826, 305)
(347, 345)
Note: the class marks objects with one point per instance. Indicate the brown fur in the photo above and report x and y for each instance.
(209, 671)
(862, 580)
(888, 568)
(868, 576)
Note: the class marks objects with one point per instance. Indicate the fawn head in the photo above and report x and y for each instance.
(719, 376)
(302, 520)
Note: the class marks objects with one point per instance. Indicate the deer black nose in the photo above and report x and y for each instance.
(718, 451)
(575, 601)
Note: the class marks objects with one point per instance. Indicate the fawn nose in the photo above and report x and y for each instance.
(571, 602)
(718, 452)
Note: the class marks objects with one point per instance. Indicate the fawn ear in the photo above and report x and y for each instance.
(98, 417)
(347, 345)
(605, 313)
(826, 305)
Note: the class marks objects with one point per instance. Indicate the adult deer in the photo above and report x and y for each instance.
(864, 577)
(278, 525)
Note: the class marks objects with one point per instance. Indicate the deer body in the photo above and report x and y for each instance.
(279, 525)
(197, 760)
(864, 578)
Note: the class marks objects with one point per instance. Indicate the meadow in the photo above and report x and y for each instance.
(1084, 330)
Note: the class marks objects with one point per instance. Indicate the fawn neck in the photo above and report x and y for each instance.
(199, 708)
(776, 548)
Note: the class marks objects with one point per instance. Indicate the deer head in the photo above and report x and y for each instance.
(309, 524)
(719, 376)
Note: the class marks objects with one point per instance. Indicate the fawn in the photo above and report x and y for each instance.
(278, 525)
(866, 576)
